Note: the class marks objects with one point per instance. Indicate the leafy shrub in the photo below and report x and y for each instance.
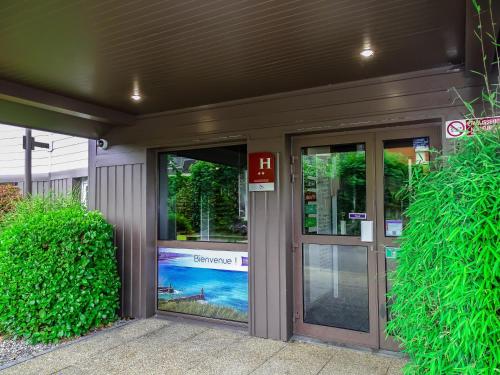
(58, 272)
(9, 195)
(447, 284)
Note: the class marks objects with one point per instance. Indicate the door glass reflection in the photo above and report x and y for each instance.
(334, 189)
(335, 286)
(401, 158)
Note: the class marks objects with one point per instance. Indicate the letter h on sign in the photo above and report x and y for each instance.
(261, 173)
(265, 163)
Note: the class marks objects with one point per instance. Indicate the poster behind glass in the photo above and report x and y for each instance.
(207, 283)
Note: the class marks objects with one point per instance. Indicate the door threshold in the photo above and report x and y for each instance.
(358, 348)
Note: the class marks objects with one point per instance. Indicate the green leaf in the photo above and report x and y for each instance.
(50, 280)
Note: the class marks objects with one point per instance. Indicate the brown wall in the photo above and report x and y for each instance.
(118, 189)
(123, 184)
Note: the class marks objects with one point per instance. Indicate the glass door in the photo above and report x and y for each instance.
(334, 239)
(399, 155)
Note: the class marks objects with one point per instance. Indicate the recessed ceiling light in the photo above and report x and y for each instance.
(367, 52)
(136, 97)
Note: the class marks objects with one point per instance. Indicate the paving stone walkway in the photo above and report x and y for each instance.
(157, 346)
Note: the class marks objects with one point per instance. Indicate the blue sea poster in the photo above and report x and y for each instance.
(209, 283)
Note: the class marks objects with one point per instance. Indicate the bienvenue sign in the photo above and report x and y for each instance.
(214, 259)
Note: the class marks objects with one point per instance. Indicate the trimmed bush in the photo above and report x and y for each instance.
(447, 284)
(9, 195)
(58, 272)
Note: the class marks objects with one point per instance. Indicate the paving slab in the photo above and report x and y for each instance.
(159, 346)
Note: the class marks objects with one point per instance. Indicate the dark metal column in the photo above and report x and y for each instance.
(28, 147)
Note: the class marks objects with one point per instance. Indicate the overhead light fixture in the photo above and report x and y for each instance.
(136, 91)
(367, 52)
(136, 97)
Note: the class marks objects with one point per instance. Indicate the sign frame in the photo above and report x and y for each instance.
(261, 171)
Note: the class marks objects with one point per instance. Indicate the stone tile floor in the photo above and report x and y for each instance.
(158, 346)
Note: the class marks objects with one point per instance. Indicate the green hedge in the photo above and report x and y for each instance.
(447, 284)
(58, 272)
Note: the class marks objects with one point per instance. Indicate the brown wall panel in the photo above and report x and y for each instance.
(118, 191)
(270, 249)
(119, 197)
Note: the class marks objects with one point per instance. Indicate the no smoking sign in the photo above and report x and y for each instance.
(467, 127)
(455, 129)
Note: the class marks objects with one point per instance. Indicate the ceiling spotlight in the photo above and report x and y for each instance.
(136, 97)
(367, 52)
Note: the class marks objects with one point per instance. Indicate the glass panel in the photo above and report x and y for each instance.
(401, 157)
(334, 189)
(335, 285)
(203, 195)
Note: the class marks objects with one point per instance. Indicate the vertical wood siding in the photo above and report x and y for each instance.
(61, 186)
(58, 187)
(270, 224)
(119, 195)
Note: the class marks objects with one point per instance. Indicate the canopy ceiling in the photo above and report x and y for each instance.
(193, 52)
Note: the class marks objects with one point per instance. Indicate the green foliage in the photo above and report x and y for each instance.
(58, 272)
(447, 284)
(486, 32)
(9, 195)
(203, 309)
(209, 186)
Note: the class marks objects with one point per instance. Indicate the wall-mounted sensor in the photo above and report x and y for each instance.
(102, 143)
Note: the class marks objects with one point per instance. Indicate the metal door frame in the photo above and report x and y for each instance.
(371, 338)
(377, 287)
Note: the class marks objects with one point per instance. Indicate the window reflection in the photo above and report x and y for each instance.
(334, 189)
(335, 286)
(401, 158)
(203, 195)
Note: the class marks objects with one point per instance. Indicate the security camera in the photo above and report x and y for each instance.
(102, 143)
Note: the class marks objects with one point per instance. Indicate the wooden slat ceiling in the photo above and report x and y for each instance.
(192, 52)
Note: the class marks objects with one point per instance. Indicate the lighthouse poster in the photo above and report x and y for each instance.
(209, 283)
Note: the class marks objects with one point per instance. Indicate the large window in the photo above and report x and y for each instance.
(203, 195)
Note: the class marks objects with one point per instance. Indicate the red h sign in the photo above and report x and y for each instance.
(261, 169)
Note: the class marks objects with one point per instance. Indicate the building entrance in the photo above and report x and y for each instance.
(350, 194)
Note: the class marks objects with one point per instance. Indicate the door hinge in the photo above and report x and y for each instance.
(297, 315)
(295, 246)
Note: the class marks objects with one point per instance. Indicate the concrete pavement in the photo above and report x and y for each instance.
(158, 346)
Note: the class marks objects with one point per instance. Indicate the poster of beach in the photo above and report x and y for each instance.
(207, 283)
